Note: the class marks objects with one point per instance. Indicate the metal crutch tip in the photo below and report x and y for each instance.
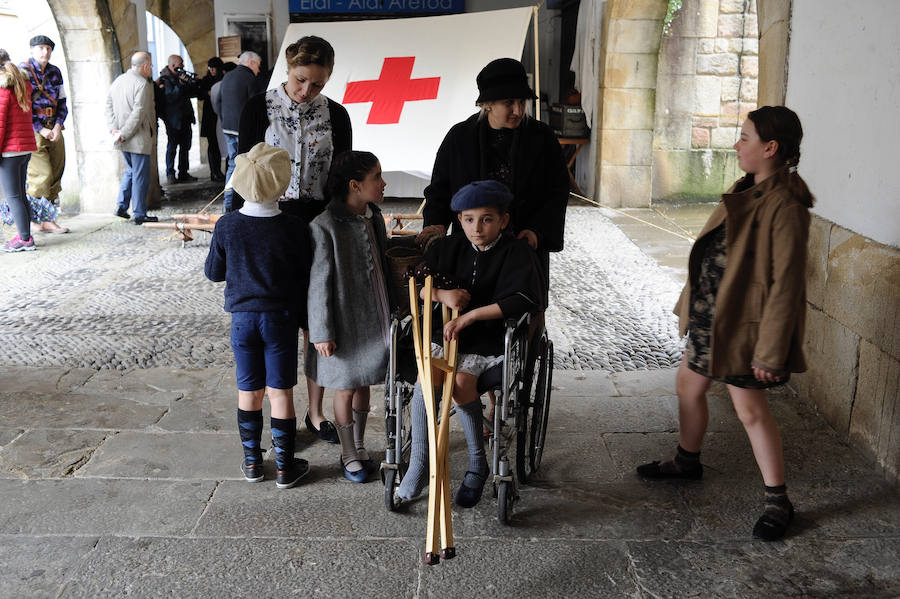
(431, 559)
(448, 552)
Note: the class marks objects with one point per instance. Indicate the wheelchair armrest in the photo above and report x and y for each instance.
(515, 323)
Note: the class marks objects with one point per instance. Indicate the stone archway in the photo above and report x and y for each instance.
(93, 60)
(99, 37)
(194, 22)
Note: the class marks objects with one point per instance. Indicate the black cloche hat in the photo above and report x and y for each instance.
(503, 79)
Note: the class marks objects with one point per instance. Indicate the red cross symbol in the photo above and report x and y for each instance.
(392, 88)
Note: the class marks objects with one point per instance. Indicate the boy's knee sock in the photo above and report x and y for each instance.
(359, 432)
(472, 421)
(349, 456)
(250, 425)
(417, 474)
(284, 434)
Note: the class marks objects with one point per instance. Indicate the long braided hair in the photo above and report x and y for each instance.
(19, 84)
(781, 124)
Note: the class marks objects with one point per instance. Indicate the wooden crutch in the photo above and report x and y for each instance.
(440, 518)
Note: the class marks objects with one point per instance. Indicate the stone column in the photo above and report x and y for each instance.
(627, 98)
(93, 59)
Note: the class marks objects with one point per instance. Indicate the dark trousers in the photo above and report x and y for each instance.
(214, 156)
(180, 142)
(12, 180)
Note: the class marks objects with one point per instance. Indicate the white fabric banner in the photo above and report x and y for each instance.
(405, 82)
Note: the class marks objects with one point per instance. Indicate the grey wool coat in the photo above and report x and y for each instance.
(341, 306)
(129, 108)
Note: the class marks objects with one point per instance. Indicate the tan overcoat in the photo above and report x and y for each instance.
(760, 305)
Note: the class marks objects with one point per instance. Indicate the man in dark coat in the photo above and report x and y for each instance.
(177, 87)
(237, 87)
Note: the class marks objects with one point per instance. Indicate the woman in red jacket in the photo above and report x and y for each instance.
(16, 146)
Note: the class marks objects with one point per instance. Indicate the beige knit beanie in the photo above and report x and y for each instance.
(262, 174)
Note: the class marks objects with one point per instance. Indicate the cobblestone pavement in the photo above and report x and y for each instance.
(113, 295)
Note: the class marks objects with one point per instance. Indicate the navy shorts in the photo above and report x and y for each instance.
(265, 349)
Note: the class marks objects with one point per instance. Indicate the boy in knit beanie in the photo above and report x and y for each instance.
(264, 258)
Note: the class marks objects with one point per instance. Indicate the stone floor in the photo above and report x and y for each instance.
(118, 480)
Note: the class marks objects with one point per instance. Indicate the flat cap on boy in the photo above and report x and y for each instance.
(262, 174)
(482, 193)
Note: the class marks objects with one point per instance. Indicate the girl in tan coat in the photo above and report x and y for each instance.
(744, 304)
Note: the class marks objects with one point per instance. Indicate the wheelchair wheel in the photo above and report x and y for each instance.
(540, 410)
(504, 501)
(390, 483)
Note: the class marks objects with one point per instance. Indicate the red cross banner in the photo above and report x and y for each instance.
(405, 82)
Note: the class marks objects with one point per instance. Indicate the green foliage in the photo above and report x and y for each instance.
(671, 12)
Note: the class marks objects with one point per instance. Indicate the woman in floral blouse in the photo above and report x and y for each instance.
(313, 129)
(296, 116)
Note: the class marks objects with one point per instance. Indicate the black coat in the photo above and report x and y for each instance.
(209, 118)
(540, 178)
(506, 274)
(238, 86)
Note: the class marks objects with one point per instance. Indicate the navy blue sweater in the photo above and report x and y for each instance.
(264, 262)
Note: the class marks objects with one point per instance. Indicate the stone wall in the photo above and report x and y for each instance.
(707, 83)
(626, 100)
(853, 340)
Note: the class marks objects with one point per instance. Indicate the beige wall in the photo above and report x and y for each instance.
(853, 282)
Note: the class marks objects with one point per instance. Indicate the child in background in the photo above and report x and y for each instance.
(489, 276)
(264, 258)
(744, 307)
(349, 305)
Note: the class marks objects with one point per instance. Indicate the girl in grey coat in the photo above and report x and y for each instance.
(348, 305)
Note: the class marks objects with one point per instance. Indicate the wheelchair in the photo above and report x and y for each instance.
(519, 388)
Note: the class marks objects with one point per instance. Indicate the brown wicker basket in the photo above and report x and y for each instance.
(400, 258)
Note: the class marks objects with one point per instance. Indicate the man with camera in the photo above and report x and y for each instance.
(175, 88)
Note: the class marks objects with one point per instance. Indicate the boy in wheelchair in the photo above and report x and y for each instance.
(489, 276)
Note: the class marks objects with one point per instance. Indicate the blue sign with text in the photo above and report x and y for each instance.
(376, 6)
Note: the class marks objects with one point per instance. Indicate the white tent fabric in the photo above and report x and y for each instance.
(412, 78)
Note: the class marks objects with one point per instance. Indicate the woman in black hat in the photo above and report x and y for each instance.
(502, 143)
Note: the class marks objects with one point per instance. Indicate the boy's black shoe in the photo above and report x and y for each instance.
(122, 213)
(468, 496)
(657, 470)
(253, 473)
(286, 479)
(140, 220)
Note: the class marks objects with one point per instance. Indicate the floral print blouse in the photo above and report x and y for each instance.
(304, 130)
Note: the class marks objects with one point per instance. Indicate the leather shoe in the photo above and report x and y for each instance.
(140, 220)
(326, 431)
(297, 469)
(253, 473)
(655, 471)
(358, 476)
(470, 496)
(122, 213)
(186, 178)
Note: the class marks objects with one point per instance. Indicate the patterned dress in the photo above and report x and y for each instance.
(702, 314)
